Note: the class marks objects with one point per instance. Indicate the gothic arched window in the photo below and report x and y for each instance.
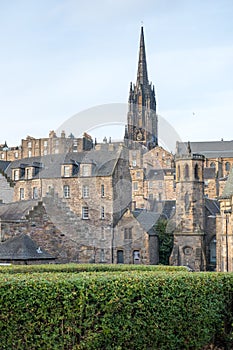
(212, 164)
(196, 172)
(186, 171)
(178, 173)
(186, 201)
(227, 166)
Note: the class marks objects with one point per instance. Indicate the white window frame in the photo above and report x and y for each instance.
(85, 191)
(85, 213)
(66, 191)
(35, 193)
(66, 171)
(21, 193)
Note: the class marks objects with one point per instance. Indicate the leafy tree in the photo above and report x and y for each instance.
(165, 241)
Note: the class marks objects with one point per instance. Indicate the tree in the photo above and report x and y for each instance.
(165, 241)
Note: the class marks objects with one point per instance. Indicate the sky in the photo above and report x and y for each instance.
(62, 57)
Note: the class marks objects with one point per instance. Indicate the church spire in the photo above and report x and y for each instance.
(142, 77)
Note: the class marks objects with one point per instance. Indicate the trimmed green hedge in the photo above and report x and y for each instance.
(114, 311)
(87, 268)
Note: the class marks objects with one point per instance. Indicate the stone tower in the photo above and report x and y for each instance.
(142, 122)
(189, 247)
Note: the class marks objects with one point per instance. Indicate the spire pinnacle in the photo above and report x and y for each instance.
(142, 77)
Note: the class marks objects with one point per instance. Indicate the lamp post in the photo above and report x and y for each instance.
(226, 212)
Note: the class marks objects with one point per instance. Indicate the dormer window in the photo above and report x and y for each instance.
(86, 170)
(66, 171)
(16, 175)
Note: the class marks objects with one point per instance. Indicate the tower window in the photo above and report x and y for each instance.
(186, 171)
(196, 172)
(135, 186)
(178, 173)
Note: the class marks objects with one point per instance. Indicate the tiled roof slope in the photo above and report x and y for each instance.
(16, 210)
(210, 149)
(22, 247)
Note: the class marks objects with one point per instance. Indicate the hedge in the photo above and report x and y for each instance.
(87, 268)
(115, 311)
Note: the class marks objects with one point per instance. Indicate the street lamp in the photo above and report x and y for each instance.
(227, 221)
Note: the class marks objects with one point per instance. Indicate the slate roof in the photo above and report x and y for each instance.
(210, 149)
(213, 206)
(22, 247)
(17, 210)
(228, 189)
(158, 174)
(148, 219)
(209, 173)
(49, 166)
(4, 165)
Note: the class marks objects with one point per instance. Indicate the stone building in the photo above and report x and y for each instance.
(100, 203)
(32, 147)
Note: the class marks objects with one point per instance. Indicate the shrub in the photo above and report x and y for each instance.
(117, 310)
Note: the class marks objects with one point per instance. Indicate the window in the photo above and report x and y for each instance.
(2, 156)
(85, 170)
(213, 250)
(85, 213)
(150, 196)
(16, 155)
(135, 186)
(160, 184)
(66, 171)
(150, 185)
(45, 143)
(134, 162)
(102, 257)
(102, 213)
(102, 233)
(227, 166)
(16, 175)
(45, 152)
(29, 173)
(138, 174)
(212, 165)
(196, 172)
(21, 194)
(102, 191)
(66, 191)
(186, 171)
(178, 173)
(35, 193)
(85, 191)
(128, 233)
(29, 144)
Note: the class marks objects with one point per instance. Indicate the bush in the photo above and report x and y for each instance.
(118, 310)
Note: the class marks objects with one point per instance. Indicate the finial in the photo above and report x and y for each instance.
(141, 23)
(189, 148)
